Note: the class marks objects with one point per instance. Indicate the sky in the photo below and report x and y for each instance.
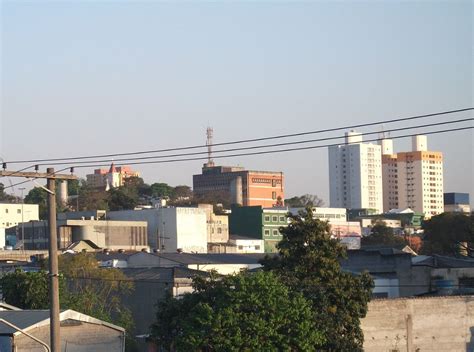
(98, 77)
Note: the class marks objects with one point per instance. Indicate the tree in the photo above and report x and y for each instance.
(122, 198)
(243, 312)
(161, 190)
(449, 234)
(304, 201)
(381, 234)
(83, 287)
(5, 197)
(308, 262)
(39, 196)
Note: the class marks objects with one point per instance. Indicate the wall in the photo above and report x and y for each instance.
(13, 214)
(420, 324)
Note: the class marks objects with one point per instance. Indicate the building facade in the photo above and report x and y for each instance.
(457, 203)
(355, 174)
(413, 179)
(113, 235)
(12, 214)
(114, 177)
(239, 186)
(259, 223)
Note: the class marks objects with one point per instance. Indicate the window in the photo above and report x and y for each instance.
(6, 211)
(282, 219)
(274, 195)
(274, 183)
(257, 247)
(275, 232)
(219, 230)
(18, 211)
(274, 218)
(267, 218)
(267, 232)
(241, 247)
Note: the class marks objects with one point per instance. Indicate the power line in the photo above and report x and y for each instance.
(246, 140)
(271, 151)
(252, 153)
(127, 160)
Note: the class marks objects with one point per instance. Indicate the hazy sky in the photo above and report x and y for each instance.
(88, 77)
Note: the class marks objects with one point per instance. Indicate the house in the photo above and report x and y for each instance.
(79, 332)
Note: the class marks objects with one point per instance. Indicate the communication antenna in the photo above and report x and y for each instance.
(209, 134)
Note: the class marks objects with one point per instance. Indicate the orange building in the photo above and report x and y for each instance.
(245, 187)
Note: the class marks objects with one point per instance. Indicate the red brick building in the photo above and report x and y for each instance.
(245, 187)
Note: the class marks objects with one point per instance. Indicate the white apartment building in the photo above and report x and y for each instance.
(413, 179)
(355, 174)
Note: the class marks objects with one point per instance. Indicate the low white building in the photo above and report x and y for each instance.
(12, 214)
(171, 229)
(244, 245)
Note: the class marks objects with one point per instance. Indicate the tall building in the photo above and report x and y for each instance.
(355, 174)
(113, 177)
(244, 187)
(413, 179)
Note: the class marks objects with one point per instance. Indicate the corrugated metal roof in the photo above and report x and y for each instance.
(21, 318)
(212, 258)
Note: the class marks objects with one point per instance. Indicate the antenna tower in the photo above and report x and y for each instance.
(209, 134)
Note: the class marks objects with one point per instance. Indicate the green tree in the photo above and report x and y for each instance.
(449, 234)
(244, 312)
(27, 290)
(381, 234)
(39, 196)
(5, 197)
(161, 190)
(92, 199)
(308, 262)
(304, 201)
(122, 198)
(83, 287)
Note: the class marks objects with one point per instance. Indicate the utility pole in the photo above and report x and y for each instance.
(55, 340)
(53, 266)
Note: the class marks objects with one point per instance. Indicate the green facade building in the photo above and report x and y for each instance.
(259, 223)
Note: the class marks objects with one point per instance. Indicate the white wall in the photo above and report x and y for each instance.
(191, 227)
(13, 214)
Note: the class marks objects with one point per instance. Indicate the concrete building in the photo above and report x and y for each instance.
(114, 235)
(171, 229)
(259, 223)
(239, 186)
(457, 203)
(245, 245)
(217, 225)
(13, 214)
(420, 324)
(413, 179)
(79, 332)
(113, 177)
(355, 174)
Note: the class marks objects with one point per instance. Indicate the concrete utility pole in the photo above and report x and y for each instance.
(55, 340)
(53, 265)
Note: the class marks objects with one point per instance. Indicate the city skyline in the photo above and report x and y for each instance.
(101, 87)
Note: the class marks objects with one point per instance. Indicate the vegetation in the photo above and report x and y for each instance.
(381, 234)
(5, 197)
(244, 312)
(308, 262)
(304, 201)
(449, 234)
(83, 287)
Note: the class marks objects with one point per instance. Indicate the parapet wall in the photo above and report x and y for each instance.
(420, 324)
